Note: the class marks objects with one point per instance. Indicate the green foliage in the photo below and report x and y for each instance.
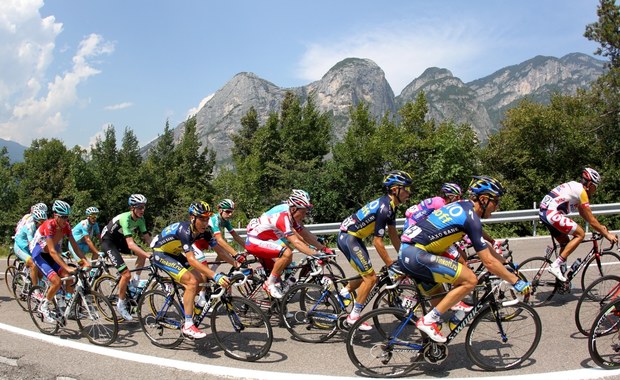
(605, 31)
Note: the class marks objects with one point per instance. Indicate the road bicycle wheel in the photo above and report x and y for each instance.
(91, 311)
(107, 285)
(609, 264)
(310, 313)
(241, 329)
(594, 298)
(161, 318)
(392, 348)
(397, 297)
(11, 259)
(493, 348)
(543, 283)
(604, 337)
(35, 296)
(9, 275)
(20, 286)
(251, 289)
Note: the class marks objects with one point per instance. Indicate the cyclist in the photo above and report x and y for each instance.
(373, 219)
(85, 231)
(219, 224)
(24, 236)
(117, 238)
(269, 235)
(450, 192)
(27, 218)
(173, 252)
(45, 248)
(423, 244)
(560, 201)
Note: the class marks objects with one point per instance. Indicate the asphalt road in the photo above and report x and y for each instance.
(25, 353)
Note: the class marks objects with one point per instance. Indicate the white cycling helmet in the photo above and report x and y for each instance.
(591, 175)
(299, 199)
(137, 199)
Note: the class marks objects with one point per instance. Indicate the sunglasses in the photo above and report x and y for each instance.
(140, 207)
(228, 211)
(65, 217)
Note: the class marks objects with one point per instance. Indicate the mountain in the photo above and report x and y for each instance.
(480, 103)
(16, 151)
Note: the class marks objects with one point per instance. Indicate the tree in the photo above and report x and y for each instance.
(105, 162)
(606, 31)
(9, 199)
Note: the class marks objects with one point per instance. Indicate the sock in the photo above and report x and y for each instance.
(188, 321)
(345, 293)
(433, 317)
(272, 279)
(357, 310)
(559, 261)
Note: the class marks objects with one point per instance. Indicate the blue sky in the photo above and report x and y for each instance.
(69, 68)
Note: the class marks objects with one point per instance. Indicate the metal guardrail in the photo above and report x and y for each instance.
(497, 217)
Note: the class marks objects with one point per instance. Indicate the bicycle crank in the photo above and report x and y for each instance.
(435, 353)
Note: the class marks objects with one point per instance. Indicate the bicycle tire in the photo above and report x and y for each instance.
(20, 286)
(485, 346)
(241, 329)
(11, 258)
(92, 322)
(310, 313)
(161, 318)
(35, 314)
(593, 300)
(370, 351)
(610, 262)
(9, 274)
(543, 284)
(251, 290)
(395, 297)
(603, 337)
(107, 285)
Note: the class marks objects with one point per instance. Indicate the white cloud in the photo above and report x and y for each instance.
(402, 50)
(32, 104)
(119, 106)
(194, 110)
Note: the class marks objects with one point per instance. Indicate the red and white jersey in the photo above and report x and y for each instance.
(566, 198)
(274, 224)
(49, 229)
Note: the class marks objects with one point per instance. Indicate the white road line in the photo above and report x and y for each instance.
(237, 373)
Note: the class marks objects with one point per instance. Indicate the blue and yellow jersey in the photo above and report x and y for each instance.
(177, 239)
(445, 226)
(371, 219)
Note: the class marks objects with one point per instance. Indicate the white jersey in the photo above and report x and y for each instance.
(566, 198)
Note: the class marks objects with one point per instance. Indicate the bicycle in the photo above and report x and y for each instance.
(604, 337)
(594, 299)
(544, 285)
(238, 325)
(250, 284)
(394, 347)
(85, 306)
(314, 313)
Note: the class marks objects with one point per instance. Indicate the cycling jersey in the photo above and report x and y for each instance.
(121, 227)
(27, 218)
(566, 198)
(49, 229)
(445, 226)
(219, 225)
(177, 239)
(563, 199)
(371, 219)
(422, 210)
(23, 237)
(81, 230)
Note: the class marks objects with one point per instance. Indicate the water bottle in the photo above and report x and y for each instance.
(132, 287)
(60, 299)
(260, 271)
(456, 318)
(327, 283)
(574, 267)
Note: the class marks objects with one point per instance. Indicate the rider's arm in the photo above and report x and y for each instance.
(377, 242)
(237, 238)
(56, 255)
(135, 248)
(300, 245)
(310, 238)
(394, 238)
(222, 243)
(496, 266)
(78, 251)
(91, 245)
(586, 214)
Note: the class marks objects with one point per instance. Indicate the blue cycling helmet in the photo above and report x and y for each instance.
(200, 208)
(397, 178)
(39, 215)
(92, 210)
(39, 206)
(485, 185)
(61, 208)
(450, 188)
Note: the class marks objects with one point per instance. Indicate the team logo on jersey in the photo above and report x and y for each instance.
(381, 231)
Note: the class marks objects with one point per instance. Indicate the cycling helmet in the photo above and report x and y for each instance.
(299, 199)
(200, 208)
(137, 199)
(39, 214)
(61, 208)
(92, 210)
(397, 178)
(486, 185)
(450, 188)
(226, 204)
(39, 206)
(591, 175)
